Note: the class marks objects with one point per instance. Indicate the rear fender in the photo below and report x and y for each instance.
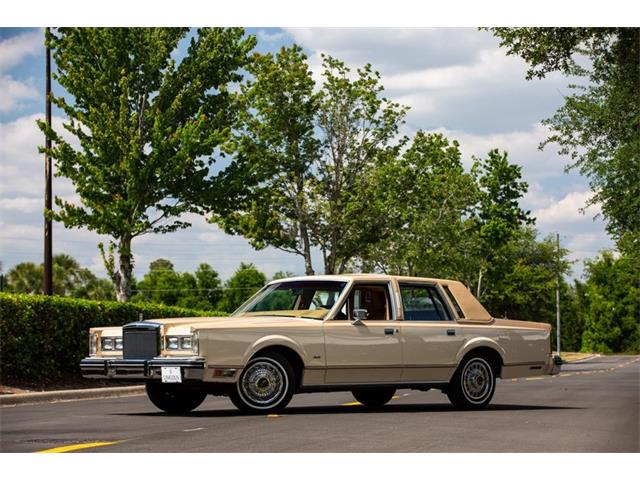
(478, 342)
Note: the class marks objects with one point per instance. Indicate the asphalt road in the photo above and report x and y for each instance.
(590, 406)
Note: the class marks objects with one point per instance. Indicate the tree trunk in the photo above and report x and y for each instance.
(306, 246)
(479, 287)
(125, 270)
(121, 277)
(330, 263)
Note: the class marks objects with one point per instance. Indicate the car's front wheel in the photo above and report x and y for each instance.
(266, 384)
(176, 399)
(473, 384)
(374, 397)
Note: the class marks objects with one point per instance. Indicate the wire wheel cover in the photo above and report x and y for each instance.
(263, 383)
(477, 380)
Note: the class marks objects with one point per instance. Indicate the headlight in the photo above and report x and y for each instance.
(93, 344)
(182, 342)
(185, 343)
(118, 343)
(107, 344)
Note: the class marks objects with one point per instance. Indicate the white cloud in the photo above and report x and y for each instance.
(14, 92)
(15, 49)
(21, 165)
(522, 149)
(571, 208)
(22, 204)
(489, 67)
(394, 50)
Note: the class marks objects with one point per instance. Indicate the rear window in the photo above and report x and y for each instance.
(454, 302)
(422, 302)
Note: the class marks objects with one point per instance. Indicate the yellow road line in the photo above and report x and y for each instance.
(79, 446)
(273, 415)
(351, 404)
(566, 374)
(535, 378)
(395, 397)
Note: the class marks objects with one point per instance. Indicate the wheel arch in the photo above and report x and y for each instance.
(287, 351)
(486, 348)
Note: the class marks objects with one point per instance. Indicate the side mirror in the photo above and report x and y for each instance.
(359, 314)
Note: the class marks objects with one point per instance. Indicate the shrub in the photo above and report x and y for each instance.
(44, 336)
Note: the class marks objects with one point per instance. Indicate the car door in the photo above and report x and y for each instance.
(432, 337)
(368, 352)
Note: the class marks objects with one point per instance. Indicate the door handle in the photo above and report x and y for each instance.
(451, 332)
(388, 331)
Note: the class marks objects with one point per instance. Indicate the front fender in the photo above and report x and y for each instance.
(273, 341)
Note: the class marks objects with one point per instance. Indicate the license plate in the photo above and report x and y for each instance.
(171, 375)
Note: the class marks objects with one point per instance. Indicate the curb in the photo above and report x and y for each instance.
(69, 395)
(595, 355)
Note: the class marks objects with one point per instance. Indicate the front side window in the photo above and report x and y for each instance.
(309, 299)
(374, 298)
(422, 302)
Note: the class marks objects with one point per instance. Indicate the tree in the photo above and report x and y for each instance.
(427, 197)
(612, 305)
(162, 284)
(526, 287)
(312, 155)
(598, 126)
(69, 279)
(209, 287)
(498, 215)
(278, 141)
(148, 129)
(25, 277)
(358, 127)
(279, 275)
(246, 281)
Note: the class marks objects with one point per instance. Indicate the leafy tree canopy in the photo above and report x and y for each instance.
(69, 280)
(598, 126)
(246, 281)
(146, 128)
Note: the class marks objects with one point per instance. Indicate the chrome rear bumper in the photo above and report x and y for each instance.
(552, 366)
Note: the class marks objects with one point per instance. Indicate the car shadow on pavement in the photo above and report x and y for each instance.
(357, 409)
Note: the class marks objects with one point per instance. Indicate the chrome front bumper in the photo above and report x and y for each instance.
(119, 369)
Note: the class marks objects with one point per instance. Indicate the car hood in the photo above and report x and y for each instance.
(259, 321)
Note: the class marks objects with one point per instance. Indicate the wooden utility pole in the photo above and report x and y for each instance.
(558, 295)
(48, 234)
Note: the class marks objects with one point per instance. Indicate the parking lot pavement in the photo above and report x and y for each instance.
(590, 406)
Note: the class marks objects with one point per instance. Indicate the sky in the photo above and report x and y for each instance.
(456, 80)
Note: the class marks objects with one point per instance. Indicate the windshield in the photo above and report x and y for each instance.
(305, 298)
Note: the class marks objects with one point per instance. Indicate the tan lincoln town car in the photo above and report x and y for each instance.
(368, 334)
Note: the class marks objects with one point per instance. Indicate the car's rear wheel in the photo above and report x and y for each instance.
(473, 384)
(173, 398)
(266, 384)
(375, 397)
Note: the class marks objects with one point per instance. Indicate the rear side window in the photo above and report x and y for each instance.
(422, 302)
(454, 301)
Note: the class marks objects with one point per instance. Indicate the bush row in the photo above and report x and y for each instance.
(44, 336)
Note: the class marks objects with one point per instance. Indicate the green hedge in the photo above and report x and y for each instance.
(48, 336)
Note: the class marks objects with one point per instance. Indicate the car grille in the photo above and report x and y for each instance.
(140, 340)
